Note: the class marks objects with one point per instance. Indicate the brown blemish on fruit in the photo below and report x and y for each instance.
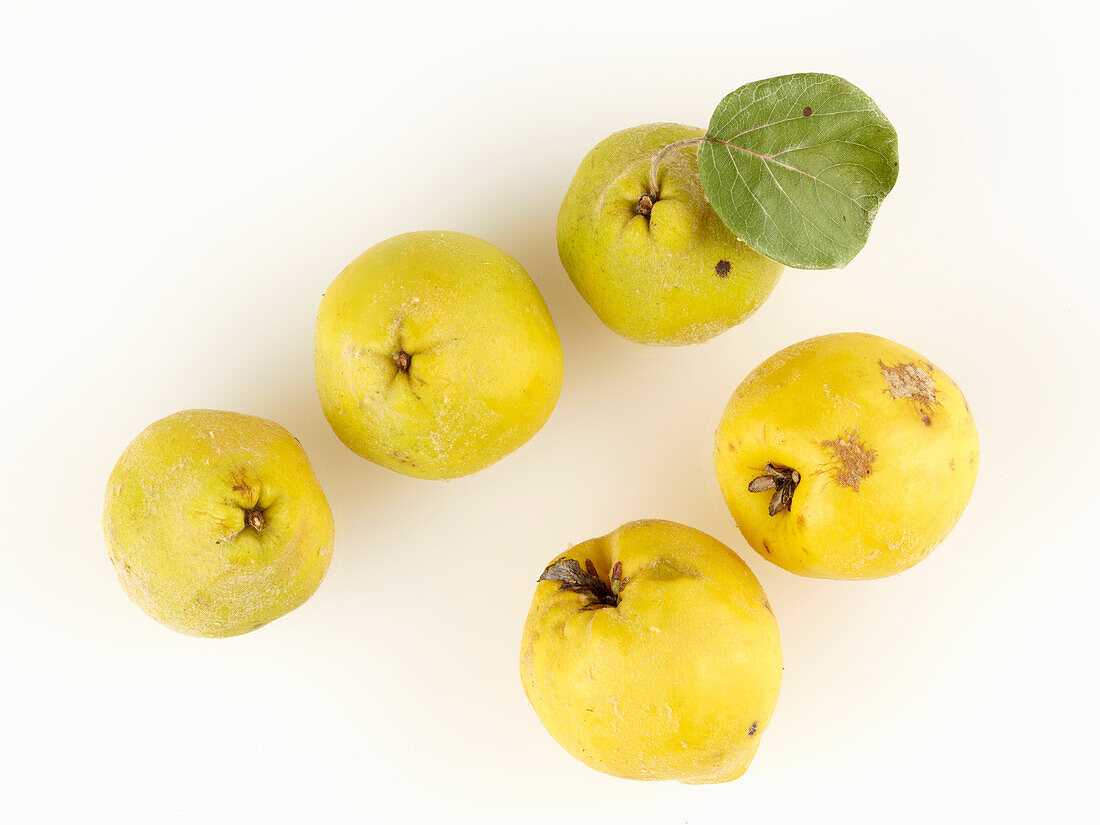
(752, 729)
(801, 520)
(241, 483)
(722, 269)
(914, 382)
(853, 459)
(403, 458)
(766, 548)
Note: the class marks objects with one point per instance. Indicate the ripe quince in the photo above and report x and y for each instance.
(435, 355)
(656, 267)
(846, 457)
(216, 523)
(652, 653)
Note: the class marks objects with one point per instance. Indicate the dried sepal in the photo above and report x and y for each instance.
(572, 578)
(783, 480)
(762, 483)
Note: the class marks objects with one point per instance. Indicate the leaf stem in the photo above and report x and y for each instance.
(680, 144)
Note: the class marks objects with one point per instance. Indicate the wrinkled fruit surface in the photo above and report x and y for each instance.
(846, 457)
(652, 653)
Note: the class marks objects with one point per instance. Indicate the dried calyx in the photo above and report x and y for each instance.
(783, 480)
(402, 360)
(254, 518)
(571, 577)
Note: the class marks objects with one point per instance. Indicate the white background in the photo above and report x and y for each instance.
(180, 184)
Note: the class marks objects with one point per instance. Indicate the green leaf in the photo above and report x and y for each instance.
(797, 166)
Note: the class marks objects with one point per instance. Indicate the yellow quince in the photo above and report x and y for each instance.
(652, 653)
(846, 457)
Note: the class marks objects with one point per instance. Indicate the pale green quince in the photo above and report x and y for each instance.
(216, 523)
(662, 270)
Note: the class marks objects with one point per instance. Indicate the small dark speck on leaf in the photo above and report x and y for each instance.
(807, 112)
(752, 729)
(722, 269)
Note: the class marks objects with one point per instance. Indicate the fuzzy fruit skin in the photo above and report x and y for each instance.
(884, 478)
(174, 522)
(485, 362)
(656, 281)
(678, 681)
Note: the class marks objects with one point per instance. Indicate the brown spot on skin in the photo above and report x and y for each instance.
(722, 269)
(404, 459)
(853, 459)
(952, 464)
(807, 112)
(801, 520)
(913, 382)
(766, 548)
(752, 729)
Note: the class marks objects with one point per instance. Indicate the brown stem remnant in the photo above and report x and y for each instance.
(586, 582)
(783, 480)
(402, 360)
(254, 518)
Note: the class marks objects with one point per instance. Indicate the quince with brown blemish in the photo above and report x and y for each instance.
(846, 456)
(646, 250)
